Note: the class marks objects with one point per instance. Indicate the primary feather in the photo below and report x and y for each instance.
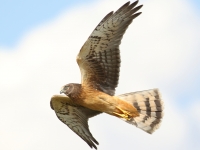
(99, 58)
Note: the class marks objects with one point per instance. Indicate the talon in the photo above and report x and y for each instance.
(126, 115)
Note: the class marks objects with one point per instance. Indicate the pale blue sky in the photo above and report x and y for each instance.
(18, 17)
(162, 46)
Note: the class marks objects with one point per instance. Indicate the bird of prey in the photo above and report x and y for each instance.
(99, 63)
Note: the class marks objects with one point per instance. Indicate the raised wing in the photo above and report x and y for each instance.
(99, 57)
(75, 117)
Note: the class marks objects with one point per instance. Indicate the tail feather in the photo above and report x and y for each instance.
(150, 107)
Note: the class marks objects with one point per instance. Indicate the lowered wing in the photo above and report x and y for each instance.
(75, 117)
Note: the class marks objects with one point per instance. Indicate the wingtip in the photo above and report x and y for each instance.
(136, 15)
(135, 2)
(141, 6)
(92, 145)
(125, 5)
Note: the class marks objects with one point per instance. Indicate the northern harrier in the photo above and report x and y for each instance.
(99, 63)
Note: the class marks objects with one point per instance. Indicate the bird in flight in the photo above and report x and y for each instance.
(99, 63)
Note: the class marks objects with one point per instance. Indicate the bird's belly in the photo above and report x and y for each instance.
(99, 103)
(106, 103)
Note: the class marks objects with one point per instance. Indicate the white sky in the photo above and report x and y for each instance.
(159, 50)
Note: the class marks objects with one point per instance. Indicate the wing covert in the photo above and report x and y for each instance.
(99, 58)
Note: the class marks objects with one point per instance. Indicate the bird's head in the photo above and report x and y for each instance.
(67, 89)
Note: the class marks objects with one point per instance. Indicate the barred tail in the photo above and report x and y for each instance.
(150, 107)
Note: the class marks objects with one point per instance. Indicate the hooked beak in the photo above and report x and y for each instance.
(62, 91)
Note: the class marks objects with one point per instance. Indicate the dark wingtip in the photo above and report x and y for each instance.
(92, 145)
(127, 3)
(140, 6)
(135, 15)
(123, 6)
(135, 3)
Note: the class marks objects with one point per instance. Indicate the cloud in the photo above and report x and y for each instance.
(157, 49)
(195, 114)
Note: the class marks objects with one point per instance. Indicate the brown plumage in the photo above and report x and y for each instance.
(99, 63)
(97, 100)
